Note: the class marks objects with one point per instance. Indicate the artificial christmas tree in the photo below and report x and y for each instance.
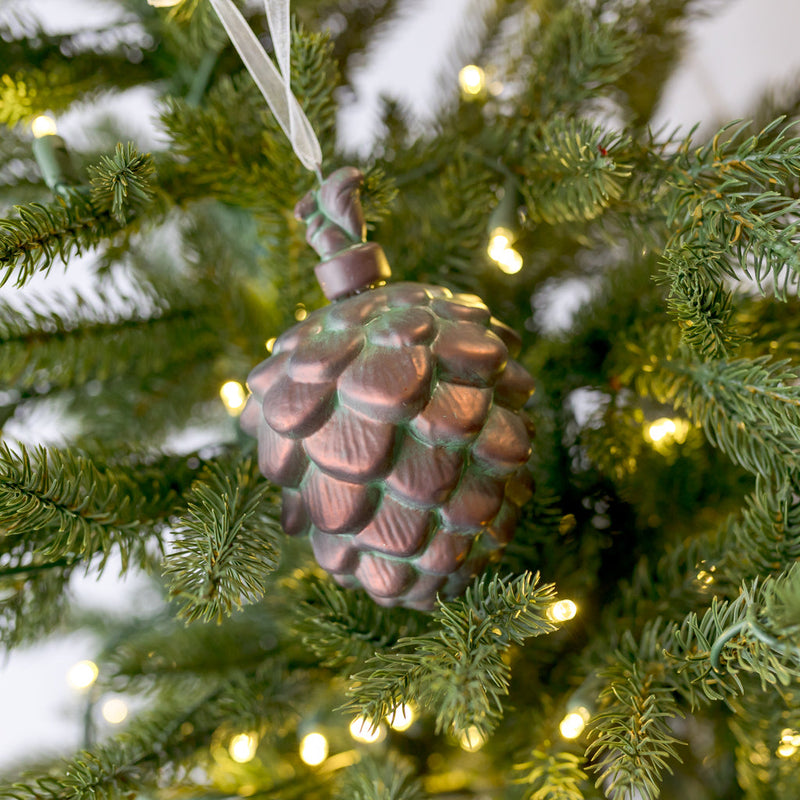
(667, 414)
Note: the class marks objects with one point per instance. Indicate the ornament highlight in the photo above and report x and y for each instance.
(82, 675)
(313, 749)
(392, 419)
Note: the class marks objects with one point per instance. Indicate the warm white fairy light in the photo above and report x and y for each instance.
(300, 313)
(114, 710)
(233, 396)
(788, 736)
(163, 3)
(472, 79)
(500, 239)
(313, 749)
(243, 747)
(574, 722)
(509, 261)
(561, 611)
(270, 343)
(44, 125)
(786, 750)
(82, 675)
(402, 718)
(472, 739)
(362, 730)
(661, 428)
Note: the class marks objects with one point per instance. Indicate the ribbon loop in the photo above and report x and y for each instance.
(274, 83)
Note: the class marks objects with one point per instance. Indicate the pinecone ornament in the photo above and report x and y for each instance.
(392, 419)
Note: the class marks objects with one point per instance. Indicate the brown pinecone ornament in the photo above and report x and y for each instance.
(392, 419)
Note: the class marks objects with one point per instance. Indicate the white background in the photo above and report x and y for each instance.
(734, 55)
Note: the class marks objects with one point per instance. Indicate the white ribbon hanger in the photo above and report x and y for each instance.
(274, 83)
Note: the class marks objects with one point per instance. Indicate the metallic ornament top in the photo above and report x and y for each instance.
(392, 418)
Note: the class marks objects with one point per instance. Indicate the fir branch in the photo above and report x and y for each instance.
(573, 173)
(121, 183)
(385, 779)
(457, 668)
(79, 340)
(749, 408)
(345, 627)
(552, 776)
(227, 545)
(40, 233)
(631, 740)
(700, 302)
(67, 506)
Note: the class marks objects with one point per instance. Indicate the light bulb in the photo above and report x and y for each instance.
(402, 718)
(270, 343)
(509, 261)
(572, 725)
(163, 3)
(301, 313)
(500, 239)
(44, 126)
(472, 79)
(661, 428)
(114, 710)
(472, 739)
(788, 736)
(362, 731)
(233, 396)
(82, 675)
(562, 611)
(786, 750)
(313, 749)
(243, 747)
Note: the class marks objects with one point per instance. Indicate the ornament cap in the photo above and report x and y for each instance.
(337, 231)
(351, 270)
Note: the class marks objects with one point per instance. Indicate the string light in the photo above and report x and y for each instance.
(163, 3)
(44, 125)
(82, 675)
(786, 750)
(472, 80)
(362, 730)
(313, 749)
(114, 710)
(472, 739)
(401, 718)
(233, 396)
(664, 431)
(243, 747)
(788, 736)
(500, 239)
(572, 725)
(301, 313)
(561, 611)
(270, 343)
(509, 261)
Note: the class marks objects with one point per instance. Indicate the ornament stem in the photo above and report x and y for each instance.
(337, 230)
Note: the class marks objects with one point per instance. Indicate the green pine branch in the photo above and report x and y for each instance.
(457, 669)
(384, 779)
(632, 743)
(343, 628)
(572, 171)
(749, 408)
(227, 543)
(40, 233)
(551, 775)
(121, 183)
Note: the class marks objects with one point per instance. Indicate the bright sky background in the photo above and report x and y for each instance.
(734, 55)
